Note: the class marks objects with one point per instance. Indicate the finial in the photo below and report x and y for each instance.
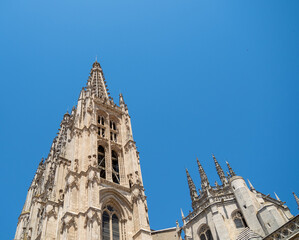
(96, 58)
(182, 214)
(297, 199)
(121, 100)
(192, 188)
(203, 176)
(219, 170)
(251, 186)
(231, 171)
(177, 224)
(277, 197)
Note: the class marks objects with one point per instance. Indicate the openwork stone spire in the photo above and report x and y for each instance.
(192, 188)
(203, 176)
(96, 82)
(297, 199)
(219, 171)
(231, 171)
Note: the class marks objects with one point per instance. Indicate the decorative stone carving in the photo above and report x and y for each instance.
(72, 181)
(76, 165)
(130, 179)
(94, 160)
(138, 182)
(61, 195)
(92, 177)
(50, 211)
(67, 222)
(91, 216)
(64, 175)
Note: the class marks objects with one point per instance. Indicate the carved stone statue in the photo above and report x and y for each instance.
(76, 165)
(61, 195)
(137, 178)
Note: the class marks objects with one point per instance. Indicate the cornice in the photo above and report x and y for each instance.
(141, 230)
(101, 181)
(114, 185)
(209, 202)
(81, 213)
(112, 107)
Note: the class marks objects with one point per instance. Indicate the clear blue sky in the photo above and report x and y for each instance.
(199, 77)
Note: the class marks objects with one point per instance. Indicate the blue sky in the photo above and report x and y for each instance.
(199, 77)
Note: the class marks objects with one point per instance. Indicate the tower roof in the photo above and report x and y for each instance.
(96, 82)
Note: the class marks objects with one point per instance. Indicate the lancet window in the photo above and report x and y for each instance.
(110, 224)
(205, 233)
(239, 220)
(113, 131)
(101, 124)
(101, 161)
(115, 167)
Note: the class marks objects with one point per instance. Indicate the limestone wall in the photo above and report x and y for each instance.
(165, 234)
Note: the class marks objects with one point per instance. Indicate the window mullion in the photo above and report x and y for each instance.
(111, 229)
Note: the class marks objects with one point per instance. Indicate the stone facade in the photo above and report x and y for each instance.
(165, 234)
(232, 210)
(90, 186)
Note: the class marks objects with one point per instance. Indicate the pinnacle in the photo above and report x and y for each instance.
(297, 199)
(96, 64)
(182, 214)
(219, 170)
(277, 196)
(96, 82)
(251, 186)
(192, 188)
(204, 179)
(231, 171)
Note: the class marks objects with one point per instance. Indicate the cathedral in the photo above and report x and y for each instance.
(90, 187)
(232, 210)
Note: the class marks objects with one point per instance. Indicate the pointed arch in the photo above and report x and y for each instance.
(238, 219)
(113, 126)
(112, 220)
(105, 226)
(115, 198)
(102, 161)
(115, 227)
(204, 232)
(115, 167)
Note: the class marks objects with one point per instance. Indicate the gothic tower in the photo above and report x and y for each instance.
(90, 185)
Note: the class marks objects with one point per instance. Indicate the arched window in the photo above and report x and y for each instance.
(205, 233)
(115, 227)
(113, 131)
(239, 220)
(101, 128)
(106, 226)
(101, 161)
(110, 224)
(101, 120)
(115, 167)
